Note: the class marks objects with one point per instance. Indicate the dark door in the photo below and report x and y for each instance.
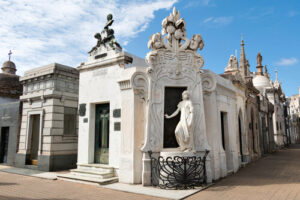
(4, 144)
(241, 139)
(35, 138)
(173, 95)
(223, 130)
(102, 134)
(264, 134)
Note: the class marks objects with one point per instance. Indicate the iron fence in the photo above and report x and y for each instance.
(178, 172)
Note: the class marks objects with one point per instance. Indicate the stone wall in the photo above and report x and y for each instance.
(10, 117)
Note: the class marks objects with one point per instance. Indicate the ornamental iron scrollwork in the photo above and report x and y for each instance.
(178, 172)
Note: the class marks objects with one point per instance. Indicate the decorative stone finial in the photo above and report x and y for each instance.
(259, 65)
(232, 65)
(259, 59)
(276, 82)
(173, 34)
(266, 72)
(106, 40)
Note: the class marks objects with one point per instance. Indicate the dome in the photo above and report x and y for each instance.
(9, 67)
(261, 82)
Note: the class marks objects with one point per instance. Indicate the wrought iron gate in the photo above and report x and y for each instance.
(178, 172)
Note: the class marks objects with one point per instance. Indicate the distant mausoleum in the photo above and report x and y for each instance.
(48, 135)
(10, 108)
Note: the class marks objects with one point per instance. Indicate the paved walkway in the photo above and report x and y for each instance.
(18, 187)
(275, 177)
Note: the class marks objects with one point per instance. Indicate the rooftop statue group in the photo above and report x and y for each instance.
(106, 38)
(174, 28)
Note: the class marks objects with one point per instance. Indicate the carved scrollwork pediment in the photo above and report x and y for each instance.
(139, 82)
(209, 82)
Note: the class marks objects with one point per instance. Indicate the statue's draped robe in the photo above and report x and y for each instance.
(183, 129)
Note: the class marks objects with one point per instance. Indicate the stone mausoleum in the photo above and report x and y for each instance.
(10, 109)
(48, 135)
(155, 106)
(134, 113)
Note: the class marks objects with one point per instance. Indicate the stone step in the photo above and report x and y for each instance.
(230, 172)
(87, 179)
(98, 168)
(94, 174)
(33, 167)
(244, 164)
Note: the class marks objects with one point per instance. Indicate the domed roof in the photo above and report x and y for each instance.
(260, 81)
(10, 85)
(9, 64)
(9, 67)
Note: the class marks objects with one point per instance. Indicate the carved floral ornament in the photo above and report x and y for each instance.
(173, 37)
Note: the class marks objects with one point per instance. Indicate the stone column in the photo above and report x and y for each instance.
(132, 127)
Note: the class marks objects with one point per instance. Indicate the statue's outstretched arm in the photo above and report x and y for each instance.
(173, 115)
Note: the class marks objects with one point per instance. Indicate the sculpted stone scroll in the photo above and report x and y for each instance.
(183, 131)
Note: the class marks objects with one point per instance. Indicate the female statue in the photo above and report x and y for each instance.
(183, 131)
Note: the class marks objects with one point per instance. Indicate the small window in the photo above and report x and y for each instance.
(280, 125)
(277, 126)
(70, 116)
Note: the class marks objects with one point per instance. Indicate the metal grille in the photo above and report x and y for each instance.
(178, 172)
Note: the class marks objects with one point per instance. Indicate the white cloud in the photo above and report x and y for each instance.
(208, 19)
(197, 3)
(287, 61)
(258, 13)
(220, 21)
(293, 13)
(43, 32)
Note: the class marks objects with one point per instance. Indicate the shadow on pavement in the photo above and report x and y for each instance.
(281, 167)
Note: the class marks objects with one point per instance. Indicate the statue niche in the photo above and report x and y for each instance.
(183, 131)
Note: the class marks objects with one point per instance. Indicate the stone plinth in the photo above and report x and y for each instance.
(175, 152)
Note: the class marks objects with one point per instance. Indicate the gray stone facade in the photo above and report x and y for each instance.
(10, 112)
(48, 135)
(10, 121)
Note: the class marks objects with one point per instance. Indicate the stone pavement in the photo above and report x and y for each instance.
(18, 187)
(28, 172)
(274, 177)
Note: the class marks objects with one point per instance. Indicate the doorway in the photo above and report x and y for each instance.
(223, 118)
(252, 131)
(241, 138)
(35, 139)
(264, 133)
(102, 134)
(225, 139)
(4, 144)
(173, 95)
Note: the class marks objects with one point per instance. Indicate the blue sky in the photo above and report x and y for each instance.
(40, 32)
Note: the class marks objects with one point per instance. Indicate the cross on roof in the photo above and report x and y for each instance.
(9, 54)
